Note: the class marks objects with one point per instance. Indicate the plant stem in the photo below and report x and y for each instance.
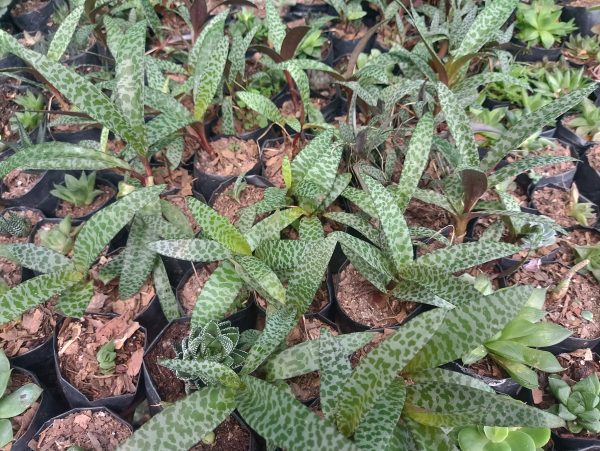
(298, 105)
(198, 130)
(563, 286)
(149, 180)
(460, 228)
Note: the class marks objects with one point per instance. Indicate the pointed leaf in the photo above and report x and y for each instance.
(75, 300)
(36, 258)
(260, 277)
(334, 370)
(195, 250)
(168, 302)
(466, 255)
(64, 33)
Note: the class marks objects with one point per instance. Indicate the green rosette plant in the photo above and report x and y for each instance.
(78, 191)
(579, 405)
(480, 438)
(13, 224)
(538, 23)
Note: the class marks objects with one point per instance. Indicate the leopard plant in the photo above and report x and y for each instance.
(207, 345)
(13, 224)
(579, 404)
(397, 397)
(15, 403)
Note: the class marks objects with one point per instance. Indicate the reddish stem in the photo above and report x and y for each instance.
(298, 105)
(199, 132)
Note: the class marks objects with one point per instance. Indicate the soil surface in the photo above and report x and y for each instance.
(306, 387)
(27, 6)
(231, 156)
(169, 387)
(273, 156)
(18, 183)
(229, 436)
(92, 430)
(78, 342)
(226, 205)
(190, 290)
(583, 295)
(559, 150)
(7, 110)
(556, 203)
(33, 328)
(106, 299)
(21, 422)
(365, 304)
(426, 215)
(486, 367)
(65, 208)
(584, 3)
(593, 156)
(349, 31)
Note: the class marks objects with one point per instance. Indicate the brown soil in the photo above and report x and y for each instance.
(555, 203)
(179, 201)
(190, 290)
(231, 156)
(170, 389)
(106, 299)
(229, 207)
(65, 208)
(7, 110)
(349, 32)
(583, 237)
(273, 157)
(486, 367)
(21, 422)
(97, 430)
(306, 387)
(363, 303)
(584, 3)
(10, 271)
(229, 436)
(560, 150)
(18, 183)
(583, 295)
(179, 179)
(27, 6)
(33, 328)
(593, 156)
(426, 215)
(78, 341)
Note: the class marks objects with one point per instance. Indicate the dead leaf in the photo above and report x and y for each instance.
(135, 362)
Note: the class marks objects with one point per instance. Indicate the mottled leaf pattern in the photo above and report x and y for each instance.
(334, 370)
(74, 300)
(36, 258)
(206, 370)
(168, 302)
(311, 228)
(195, 250)
(309, 156)
(270, 227)
(525, 164)
(466, 255)
(359, 224)
(138, 258)
(262, 105)
(260, 277)
(64, 33)
(276, 28)
(207, 81)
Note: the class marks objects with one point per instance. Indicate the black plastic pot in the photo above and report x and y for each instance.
(342, 47)
(585, 18)
(492, 104)
(574, 444)
(36, 20)
(99, 182)
(301, 11)
(347, 324)
(505, 386)
(47, 408)
(571, 344)
(566, 135)
(80, 409)
(533, 54)
(76, 398)
(587, 178)
(152, 319)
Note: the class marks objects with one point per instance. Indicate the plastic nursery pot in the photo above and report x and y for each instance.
(505, 386)
(254, 180)
(100, 182)
(94, 410)
(206, 183)
(533, 54)
(301, 10)
(492, 104)
(585, 18)
(587, 178)
(47, 408)
(342, 47)
(568, 136)
(75, 398)
(343, 320)
(35, 20)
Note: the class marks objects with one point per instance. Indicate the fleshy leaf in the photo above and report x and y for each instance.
(195, 250)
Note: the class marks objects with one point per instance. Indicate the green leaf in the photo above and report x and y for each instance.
(32, 292)
(311, 228)
(478, 321)
(262, 105)
(208, 80)
(151, 17)
(466, 255)
(285, 422)
(415, 161)
(63, 34)
(218, 227)
(282, 256)
(407, 290)
(520, 373)
(64, 156)
(448, 405)
(361, 199)
(459, 126)
(513, 169)
(4, 373)
(104, 225)
(398, 244)
(6, 432)
(138, 258)
(185, 423)
(485, 27)
(271, 227)
(541, 360)
(443, 376)
(18, 401)
(334, 371)
(321, 174)
(357, 223)
(435, 198)
(303, 358)
(218, 295)
(213, 30)
(168, 302)
(260, 277)
(237, 54)
(377, 371)
(310, 155)
(75, 300)
(533, 122)
(207, 370)
(544, 334)
(276, 28)
(195, 250)
(37, 258)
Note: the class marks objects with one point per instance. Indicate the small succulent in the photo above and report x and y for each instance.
(348, 10)
(212, 344)
(591, 253)
(579, 405)
(477, 438)
(583, 48)
(106, 356)
(558, 82)
(78, 191)
(582, 212)
(15, 403)
(586, 123)
(60, 238)
(538, 23)
(312, 44)
(30, 118)
(488, 124)
(238, 188)
(14, 224)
